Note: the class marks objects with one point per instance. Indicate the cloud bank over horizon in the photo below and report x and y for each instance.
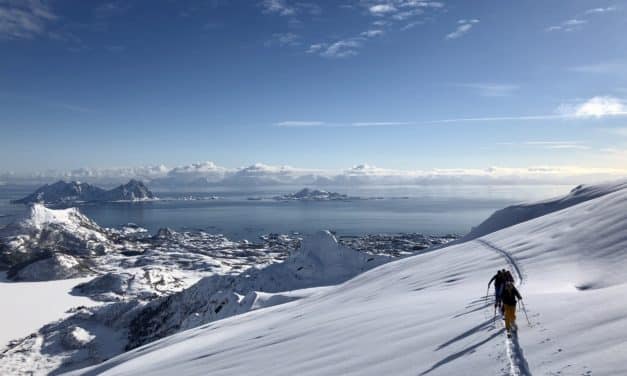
(208, 174)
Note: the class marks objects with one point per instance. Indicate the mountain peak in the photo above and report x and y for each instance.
(65, 193)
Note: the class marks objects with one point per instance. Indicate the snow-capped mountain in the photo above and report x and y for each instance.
(64, 193)
(429, 314)
(51, 244)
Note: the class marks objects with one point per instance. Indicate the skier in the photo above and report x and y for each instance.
(508, 276)
(498, 279)
(510, 296)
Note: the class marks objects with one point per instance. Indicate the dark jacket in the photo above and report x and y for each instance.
(509, 295)
(509, 277)
(498, 280)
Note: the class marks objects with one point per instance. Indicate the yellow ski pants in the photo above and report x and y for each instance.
(510, 316)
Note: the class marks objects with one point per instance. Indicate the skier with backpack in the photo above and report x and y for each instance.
(499, 280)
(510, 296)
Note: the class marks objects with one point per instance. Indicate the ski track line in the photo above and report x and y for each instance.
(517, 363)
(510, 259)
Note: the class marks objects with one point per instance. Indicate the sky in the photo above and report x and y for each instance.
(397, 84)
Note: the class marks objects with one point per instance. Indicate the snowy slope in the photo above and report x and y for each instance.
(427, 315)
(22, 303)
(515, 214)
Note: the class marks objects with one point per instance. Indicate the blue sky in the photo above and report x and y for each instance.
(400, 84)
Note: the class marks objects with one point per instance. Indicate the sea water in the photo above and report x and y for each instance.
(246, 214)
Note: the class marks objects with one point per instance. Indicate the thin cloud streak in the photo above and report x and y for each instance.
(594, 108)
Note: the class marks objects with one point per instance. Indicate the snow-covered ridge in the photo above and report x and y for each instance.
(319, 261)
(64, 193)
(515, 214)
(428, 314)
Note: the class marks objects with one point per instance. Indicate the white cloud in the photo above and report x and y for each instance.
(279, 7)
(568, 25)
(387, 13)
(558, 144)
(24, 19)
(596, 107)
(601, 10)
(315, 48)
(464, 26)
(372, 33)
(290, 8)
(208, 174)
(593, 108)
(381, 9)
(342, 48)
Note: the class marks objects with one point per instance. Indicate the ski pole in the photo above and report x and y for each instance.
(525, 311)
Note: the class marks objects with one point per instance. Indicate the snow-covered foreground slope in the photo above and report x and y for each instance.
(427, 315)
(22, 303)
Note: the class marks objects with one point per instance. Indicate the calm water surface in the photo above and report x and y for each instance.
(423, 209)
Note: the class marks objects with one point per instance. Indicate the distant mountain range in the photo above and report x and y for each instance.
(62, 192)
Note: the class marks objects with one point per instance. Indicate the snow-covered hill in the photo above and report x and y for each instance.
(71, 193)
(428, 314)
(515, 214)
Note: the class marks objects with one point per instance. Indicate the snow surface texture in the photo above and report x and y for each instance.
(62, 193)
(33, 304)
(428, 314)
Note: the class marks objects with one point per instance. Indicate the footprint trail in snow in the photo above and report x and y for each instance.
(518, 365)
